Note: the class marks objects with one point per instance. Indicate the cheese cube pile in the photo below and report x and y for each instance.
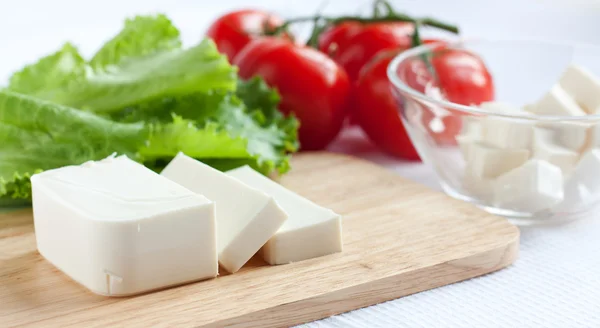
(528, 165)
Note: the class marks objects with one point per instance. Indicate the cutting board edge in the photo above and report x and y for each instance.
(467, 268)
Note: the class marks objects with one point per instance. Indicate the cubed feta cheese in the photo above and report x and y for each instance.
(489, 162)
(478, 188)
(572, 135)
(532, 187)
(507, 133)
(583, 184)
(556, 102)
(583, 87)
(546, 149)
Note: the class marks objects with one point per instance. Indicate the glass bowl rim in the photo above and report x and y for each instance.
(473, 110)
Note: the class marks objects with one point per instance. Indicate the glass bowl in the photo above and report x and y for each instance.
(506, 161)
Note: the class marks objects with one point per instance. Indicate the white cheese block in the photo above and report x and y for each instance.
(583, 87)
(246, 217)
(556, 102)
(471, 127)
(583, 184)
(119, 228)
(532, 187)
(464, 143)
(572, 135)
(499, 107)
(490, 162)
(311, 230)
(546, 149)
(506, 133)
(479, 188)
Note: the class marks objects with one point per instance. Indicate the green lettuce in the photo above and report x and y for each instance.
(39, 135)
(50, 74)
(142, 95)
(141, 36)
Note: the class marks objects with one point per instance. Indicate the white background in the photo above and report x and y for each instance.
(556, 281)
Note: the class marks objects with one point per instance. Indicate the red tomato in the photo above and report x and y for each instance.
(377, 110)
(332, 37)
(311, 85)
(233, 31)
(358, 47)
(462, 78)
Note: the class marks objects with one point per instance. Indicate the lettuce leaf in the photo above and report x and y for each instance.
(141, 36)
(50, 74)
(141, 95)
(266, 142)
(39, 135)
(143, 62)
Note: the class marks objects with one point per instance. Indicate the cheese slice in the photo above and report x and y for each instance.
(119, 228)
(583, 87)
(246, 217)
(310, 231)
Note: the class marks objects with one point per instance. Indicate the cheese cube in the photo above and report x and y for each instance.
(310, 231)
(246, 217)
(471, 127)
(479, 188)
(571, 135)
(583, 185)
(532, 187)
(557, 102)
(546, 150)
(490, 162)
(507, 133)
(583, 87)
(120, 229)
(499, 107)
(464, 143)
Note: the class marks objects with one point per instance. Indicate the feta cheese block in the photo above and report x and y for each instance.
(506, 133)
(572, 135)
(583, 87)
(465, 143)
(246, 217)
(583, 185)
(471, 127)
(499, 107)
(532, 187)
(556, 102)
(311, 230)
(489, 162)
(479, 188)
(120, 229)
(546, 149)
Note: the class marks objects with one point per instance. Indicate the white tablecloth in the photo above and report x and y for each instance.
(556, 280)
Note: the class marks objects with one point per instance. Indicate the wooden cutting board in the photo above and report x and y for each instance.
(400, 238)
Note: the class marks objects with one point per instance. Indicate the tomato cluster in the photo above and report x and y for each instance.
(344, 75)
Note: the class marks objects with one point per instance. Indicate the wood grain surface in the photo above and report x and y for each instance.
(400, 238)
